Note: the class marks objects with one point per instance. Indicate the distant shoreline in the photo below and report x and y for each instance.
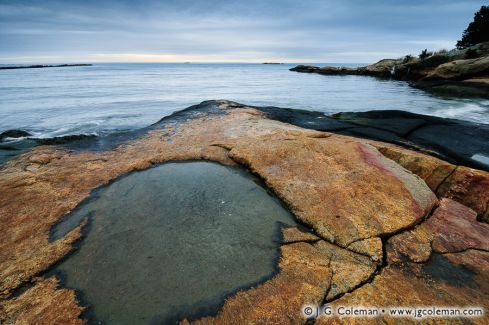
(37, 66)
(458, 72)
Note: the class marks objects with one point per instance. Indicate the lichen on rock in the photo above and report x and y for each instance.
(356, 197)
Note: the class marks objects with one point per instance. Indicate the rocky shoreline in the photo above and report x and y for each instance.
(387, 223)
(457, 72)
(424, 133)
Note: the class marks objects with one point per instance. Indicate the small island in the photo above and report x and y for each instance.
(37, 66)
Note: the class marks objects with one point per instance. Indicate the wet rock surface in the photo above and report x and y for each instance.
(65, 139)
(9, 150)
(13, 134)
(459, 142)
(358, 202)
(23, 140)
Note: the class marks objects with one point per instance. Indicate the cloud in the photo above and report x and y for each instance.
(226, 30)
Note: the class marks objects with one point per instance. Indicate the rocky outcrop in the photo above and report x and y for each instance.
(458, 141)
(326, 70)
(455, 72)
(24, 141)
(428, 134)
(468, 186)
(64, 139)
(13, 134)
(460, 69)
(351, 201)
(383, 69)
(442, 262)
(462, 184)
(452, 228)
(340, 221)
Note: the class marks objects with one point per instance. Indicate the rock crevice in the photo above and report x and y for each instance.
(365, 212)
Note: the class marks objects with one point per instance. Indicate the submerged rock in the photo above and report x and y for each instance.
(182, 236)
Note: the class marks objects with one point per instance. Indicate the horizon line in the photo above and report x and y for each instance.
(179, 62)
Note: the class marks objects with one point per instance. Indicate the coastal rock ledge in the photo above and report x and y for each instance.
(377, 232)
(456, 72)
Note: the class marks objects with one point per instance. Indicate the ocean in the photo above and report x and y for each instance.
(105, 98)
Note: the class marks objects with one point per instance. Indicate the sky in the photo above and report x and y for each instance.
(307, 31)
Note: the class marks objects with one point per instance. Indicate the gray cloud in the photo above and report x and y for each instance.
(322, 31)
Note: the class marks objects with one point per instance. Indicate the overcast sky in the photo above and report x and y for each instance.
(339, 31)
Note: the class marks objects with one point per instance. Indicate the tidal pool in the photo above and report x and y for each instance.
(172, 242)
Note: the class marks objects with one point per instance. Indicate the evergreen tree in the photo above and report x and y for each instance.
(477, 31)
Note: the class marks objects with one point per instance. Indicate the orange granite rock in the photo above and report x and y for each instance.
(371, 247)
(469, 187)
(462, 184)
(294, 234)
(344, 189)
(352, 197)
(450, 280)
(442, 262)
(307, 273)
(44, 184)
(452, 228)
(43, 303)
(349, 269)
(434, 171)
(414, 245)
(455, 229)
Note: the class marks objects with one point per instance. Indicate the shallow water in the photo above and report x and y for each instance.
(172, 242)
(111, 97)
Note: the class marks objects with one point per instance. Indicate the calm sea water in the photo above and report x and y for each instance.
(108, 97)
